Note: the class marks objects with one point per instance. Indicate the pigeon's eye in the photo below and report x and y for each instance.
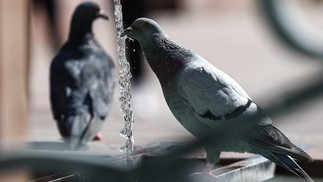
(144, 26)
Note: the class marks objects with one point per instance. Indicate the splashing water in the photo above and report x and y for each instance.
(124, 85)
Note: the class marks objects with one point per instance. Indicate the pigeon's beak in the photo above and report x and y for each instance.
(127, 32)
(101, 14)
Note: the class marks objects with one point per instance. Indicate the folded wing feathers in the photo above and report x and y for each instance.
(211, 93)
(270, 138)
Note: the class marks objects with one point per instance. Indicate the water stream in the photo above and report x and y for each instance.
(124, 85)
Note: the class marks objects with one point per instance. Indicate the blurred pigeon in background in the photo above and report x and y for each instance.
(82, 80)
(203, 98)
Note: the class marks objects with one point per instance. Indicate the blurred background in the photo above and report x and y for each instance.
(231, 34)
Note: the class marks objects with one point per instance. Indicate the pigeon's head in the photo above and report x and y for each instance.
(87, 12)
(143, 29)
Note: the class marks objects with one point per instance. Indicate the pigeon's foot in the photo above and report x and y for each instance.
(98, 137)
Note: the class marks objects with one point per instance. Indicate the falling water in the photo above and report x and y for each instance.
(125, 85)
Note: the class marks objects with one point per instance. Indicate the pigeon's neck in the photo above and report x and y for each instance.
(166, 58)
(80, 31)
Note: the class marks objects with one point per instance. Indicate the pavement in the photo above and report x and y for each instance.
(237, 41)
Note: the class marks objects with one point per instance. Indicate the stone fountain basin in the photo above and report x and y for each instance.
(253, 168)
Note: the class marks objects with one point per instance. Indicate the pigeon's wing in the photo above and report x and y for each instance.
(271, 139)
(98, 108)
(99, 99)
(109, 80)
(99, 75)
(58, 88)
(59, 92)
(211, 94)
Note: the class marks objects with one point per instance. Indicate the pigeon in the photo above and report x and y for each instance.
(82, 80)
(203, 98)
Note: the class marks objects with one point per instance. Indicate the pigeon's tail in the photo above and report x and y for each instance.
(77, 126)
(94, 126)
(289, 163)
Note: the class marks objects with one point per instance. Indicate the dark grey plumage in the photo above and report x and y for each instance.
(203, 98)
(82, 80)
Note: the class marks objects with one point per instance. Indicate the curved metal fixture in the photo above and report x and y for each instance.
(287, 20)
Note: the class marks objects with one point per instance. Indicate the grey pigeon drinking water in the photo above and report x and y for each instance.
(203, 98)
(82, 80)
